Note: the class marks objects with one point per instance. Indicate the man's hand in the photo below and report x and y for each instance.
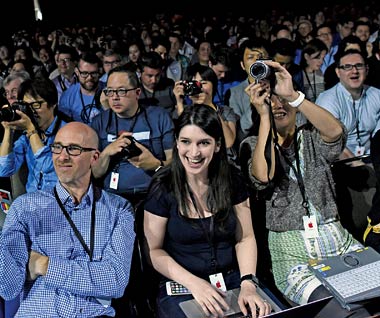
(37, 265)
(145, 160)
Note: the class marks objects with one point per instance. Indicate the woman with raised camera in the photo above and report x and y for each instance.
(197, 222)
(200, 87)
(290, 166)
(34, 115)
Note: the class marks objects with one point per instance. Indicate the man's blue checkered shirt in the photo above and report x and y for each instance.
(73, 284)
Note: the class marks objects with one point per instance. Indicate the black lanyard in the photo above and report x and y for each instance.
(86, 109)
(62, 83)
(75, 229)
(209, 233)
(312, 85)
(133, 117)
(296, 170)
(357, 123)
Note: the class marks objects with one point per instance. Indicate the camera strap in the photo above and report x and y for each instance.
(296, 169)
(75, 229)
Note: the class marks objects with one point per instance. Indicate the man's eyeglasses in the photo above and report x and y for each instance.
(64, 60)
(36, 104)
(12, 92)
(108, 63)
(121, 92)
(85, 74)
(72, 150)
(349, 67)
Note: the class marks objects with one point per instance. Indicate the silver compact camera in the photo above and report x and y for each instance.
(259, 70)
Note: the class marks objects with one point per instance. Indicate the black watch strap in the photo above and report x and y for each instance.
(250, 277)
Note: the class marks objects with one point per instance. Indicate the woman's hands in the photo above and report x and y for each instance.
(259, 94)
(249, 298)
(211, 299)
(214, 301)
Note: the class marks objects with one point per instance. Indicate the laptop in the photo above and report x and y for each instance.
(351, 277)
(192, 309)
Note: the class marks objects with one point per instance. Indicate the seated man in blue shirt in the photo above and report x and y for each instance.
(40, 125)
(67, 250)
(135, 140)
(81, 101)
(355, 104)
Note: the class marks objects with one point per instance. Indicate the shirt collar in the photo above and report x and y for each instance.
(66, 198)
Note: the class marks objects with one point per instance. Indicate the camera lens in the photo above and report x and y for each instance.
(8, 114)
(259, 70)
(192, 88)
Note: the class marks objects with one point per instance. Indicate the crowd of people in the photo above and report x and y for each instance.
(192, 148)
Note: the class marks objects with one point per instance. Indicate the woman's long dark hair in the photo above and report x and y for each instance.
(219, 173)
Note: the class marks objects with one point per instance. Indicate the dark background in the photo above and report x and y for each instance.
(90, 12)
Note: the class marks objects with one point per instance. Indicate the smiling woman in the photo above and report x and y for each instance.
(199, 200)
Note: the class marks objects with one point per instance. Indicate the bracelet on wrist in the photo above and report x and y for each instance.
(298, 101)
(250, 277)
(160, 166)
(31, 133)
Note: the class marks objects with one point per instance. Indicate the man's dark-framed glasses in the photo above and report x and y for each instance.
(111, 62)
(121, 92)
(349, 67)
(86, 74)
(36, 104)
(72, 150)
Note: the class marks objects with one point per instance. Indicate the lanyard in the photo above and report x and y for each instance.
(296, 170)
(312, 85)
(87, 109)
(209, 234)
(133, 117)
(75, 229)
(62, 83)
(357, 123)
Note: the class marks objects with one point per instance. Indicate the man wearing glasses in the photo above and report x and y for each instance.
(127, 125)
(67, 250)
(81, 101)
(356, 105)
(39, 124)
(67, 59)
(111, 59)
(135, 142)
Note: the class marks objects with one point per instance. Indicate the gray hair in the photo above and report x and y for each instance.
(22, 75)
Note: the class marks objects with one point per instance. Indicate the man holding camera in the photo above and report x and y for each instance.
(35, 116)
(135, 141)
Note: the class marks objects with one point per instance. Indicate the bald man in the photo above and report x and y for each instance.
(68, 249)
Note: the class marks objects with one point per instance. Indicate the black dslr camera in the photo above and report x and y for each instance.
(9, 113)
(192, 88)
(260, 71)
(130, 151)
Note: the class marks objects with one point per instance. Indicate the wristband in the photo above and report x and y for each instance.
(251, 278)
(160, 166)
(298, 101)
(30, 134)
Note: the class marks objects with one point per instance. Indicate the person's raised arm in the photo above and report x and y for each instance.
(320, 118)
(259, 97)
